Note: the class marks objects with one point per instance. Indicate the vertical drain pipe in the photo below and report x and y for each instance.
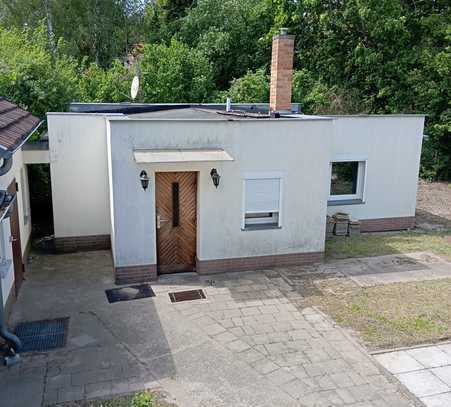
(12, 341)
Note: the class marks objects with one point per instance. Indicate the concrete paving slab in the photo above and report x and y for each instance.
(446, 347)
(443, 373)
(439, 400)
(430, 356)
(423, 383)
(398, 362)
(396, 268)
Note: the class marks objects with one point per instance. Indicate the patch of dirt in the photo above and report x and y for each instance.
(388, 316)
(433, 205)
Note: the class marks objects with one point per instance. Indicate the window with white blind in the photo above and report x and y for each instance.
(262, 198)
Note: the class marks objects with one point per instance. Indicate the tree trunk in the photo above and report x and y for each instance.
(50, 32)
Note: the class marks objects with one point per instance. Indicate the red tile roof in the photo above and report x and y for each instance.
(15, 124)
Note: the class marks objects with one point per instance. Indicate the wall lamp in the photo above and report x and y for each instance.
(143, 177)
(215, 177)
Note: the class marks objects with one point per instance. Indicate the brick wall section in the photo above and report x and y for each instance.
(281, 73)
(82, 243)
(135, 274)
(258, 262)
(387, 224)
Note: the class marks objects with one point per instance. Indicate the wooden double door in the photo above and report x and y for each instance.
(176, 211)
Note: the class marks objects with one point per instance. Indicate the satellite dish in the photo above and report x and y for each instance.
(135, 87)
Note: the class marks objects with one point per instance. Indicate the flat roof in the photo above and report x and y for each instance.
(205, 112)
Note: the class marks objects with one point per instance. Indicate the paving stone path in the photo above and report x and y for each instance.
(248, 344)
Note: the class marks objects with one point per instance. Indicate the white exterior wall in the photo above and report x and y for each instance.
(392, 147)
(24, 224)
(298, 149)
(79, 174)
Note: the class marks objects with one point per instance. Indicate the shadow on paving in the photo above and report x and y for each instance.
(110, 347)
(430, 221)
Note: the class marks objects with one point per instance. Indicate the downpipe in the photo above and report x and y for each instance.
(12, 341)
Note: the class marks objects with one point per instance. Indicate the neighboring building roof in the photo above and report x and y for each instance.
(16, 125)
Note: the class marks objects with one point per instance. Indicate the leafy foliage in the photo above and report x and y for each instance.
(175, 73)
(251, 88)
(28, 75)
(353, 56)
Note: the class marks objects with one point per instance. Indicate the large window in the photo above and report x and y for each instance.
(262, 196)
(347, 181)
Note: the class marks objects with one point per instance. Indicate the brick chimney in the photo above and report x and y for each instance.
(281, 71)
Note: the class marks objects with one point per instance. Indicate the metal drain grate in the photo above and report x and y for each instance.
(133, 292)
(187, 295)
(39, 336)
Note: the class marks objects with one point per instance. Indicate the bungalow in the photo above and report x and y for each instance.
(212, 188)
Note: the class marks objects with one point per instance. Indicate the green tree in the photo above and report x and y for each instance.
(101, 30)
(251, 88)
(105, 85)
(30, 77)
(231, 34)
(175, 73)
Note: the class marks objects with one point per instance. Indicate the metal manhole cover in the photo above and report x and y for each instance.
(39, 336)
(187, 295)
(133, 292)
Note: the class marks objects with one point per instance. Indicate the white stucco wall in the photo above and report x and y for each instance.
(91, 158)
(392, 147)
(298, 149)
(24, 224)
(79, 174)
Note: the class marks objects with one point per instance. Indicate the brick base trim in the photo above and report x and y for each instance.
(387, 224)
(82, 243)
(135, 274)
(257, 262)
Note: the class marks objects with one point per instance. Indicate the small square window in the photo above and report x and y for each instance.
(261, 203)
(344, 178)
(347, 179)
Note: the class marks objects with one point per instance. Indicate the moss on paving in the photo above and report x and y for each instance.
(141, 399)
(380, 244)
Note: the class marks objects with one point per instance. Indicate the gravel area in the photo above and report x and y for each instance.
(434, 205)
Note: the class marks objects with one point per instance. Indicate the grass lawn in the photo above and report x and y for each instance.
(141, 399)
(391, 315)
(378, 244)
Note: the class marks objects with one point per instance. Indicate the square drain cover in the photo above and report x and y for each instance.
(187, 295)
(133, 292)
(39, 336)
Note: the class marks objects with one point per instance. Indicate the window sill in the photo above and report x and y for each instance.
(339, 202)
(260, 227)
